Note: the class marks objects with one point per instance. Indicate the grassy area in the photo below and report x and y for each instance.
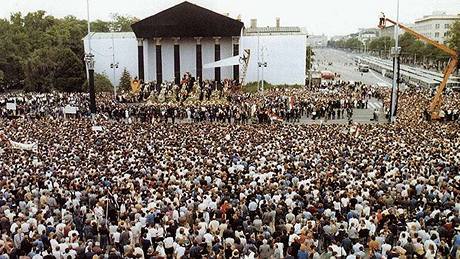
(252, 87)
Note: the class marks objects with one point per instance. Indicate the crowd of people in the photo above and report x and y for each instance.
(148, 189)
(330, 102)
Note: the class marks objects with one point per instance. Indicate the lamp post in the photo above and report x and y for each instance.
(395, 53)
(258, 61)
(89, 59)
(114, 66)
(262, 65)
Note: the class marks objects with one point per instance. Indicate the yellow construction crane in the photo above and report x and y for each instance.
(435, 105)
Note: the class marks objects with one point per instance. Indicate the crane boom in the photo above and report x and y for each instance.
(436, 102)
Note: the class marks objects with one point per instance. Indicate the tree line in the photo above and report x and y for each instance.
(412, 50)
(39, 52)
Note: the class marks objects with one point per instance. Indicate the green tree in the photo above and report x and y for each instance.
(309, 57)
(122, 23)
(406, 41)
(354, 43)
(125, 81)
(69, 73)
(101, 83)
(100, 26)
(68, 32)
(28, 41)
(50, 69)
(381, 45)
(454, 36)
(22, 36)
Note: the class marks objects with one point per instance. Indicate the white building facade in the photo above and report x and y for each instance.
(159, 55)
(436, 26)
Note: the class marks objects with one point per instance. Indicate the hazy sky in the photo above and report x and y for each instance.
(331, 17)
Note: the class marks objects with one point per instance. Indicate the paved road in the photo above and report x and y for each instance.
(344, 64)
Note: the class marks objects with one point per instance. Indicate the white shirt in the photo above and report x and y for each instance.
(168, 242)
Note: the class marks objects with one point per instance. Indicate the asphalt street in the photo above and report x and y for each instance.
(343, 63)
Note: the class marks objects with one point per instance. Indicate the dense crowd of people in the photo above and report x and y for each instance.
(330, 102)
(148, 189)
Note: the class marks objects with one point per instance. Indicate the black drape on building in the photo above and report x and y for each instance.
(217, 58)
(140, 59)
(199, 62)
(236, 68)
(176, 64)
(159, 65)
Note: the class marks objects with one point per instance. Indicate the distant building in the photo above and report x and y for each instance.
(368, 34)
(436, 26)
(389, 30)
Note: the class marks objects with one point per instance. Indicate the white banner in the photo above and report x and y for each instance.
(224, 62)
(29, 147)
(11, 106)
(96, 128)
(70, 109)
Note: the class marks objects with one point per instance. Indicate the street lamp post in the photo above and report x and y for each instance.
(89, 59)
(92, 93)
(262, 65)
(258, 61)
(114, 66)
(395, 53)
(310, 67)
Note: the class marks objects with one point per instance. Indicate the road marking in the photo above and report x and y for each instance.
(374, 105)
(378, 78)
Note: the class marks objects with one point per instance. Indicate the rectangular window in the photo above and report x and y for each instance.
(437, 26)
(446, 26)
(436, 35)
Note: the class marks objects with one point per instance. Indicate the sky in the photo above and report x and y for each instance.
(329, 17)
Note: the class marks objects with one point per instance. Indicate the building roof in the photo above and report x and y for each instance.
(187, 20)
(110, 35)
(438, 16)
(274, 30)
